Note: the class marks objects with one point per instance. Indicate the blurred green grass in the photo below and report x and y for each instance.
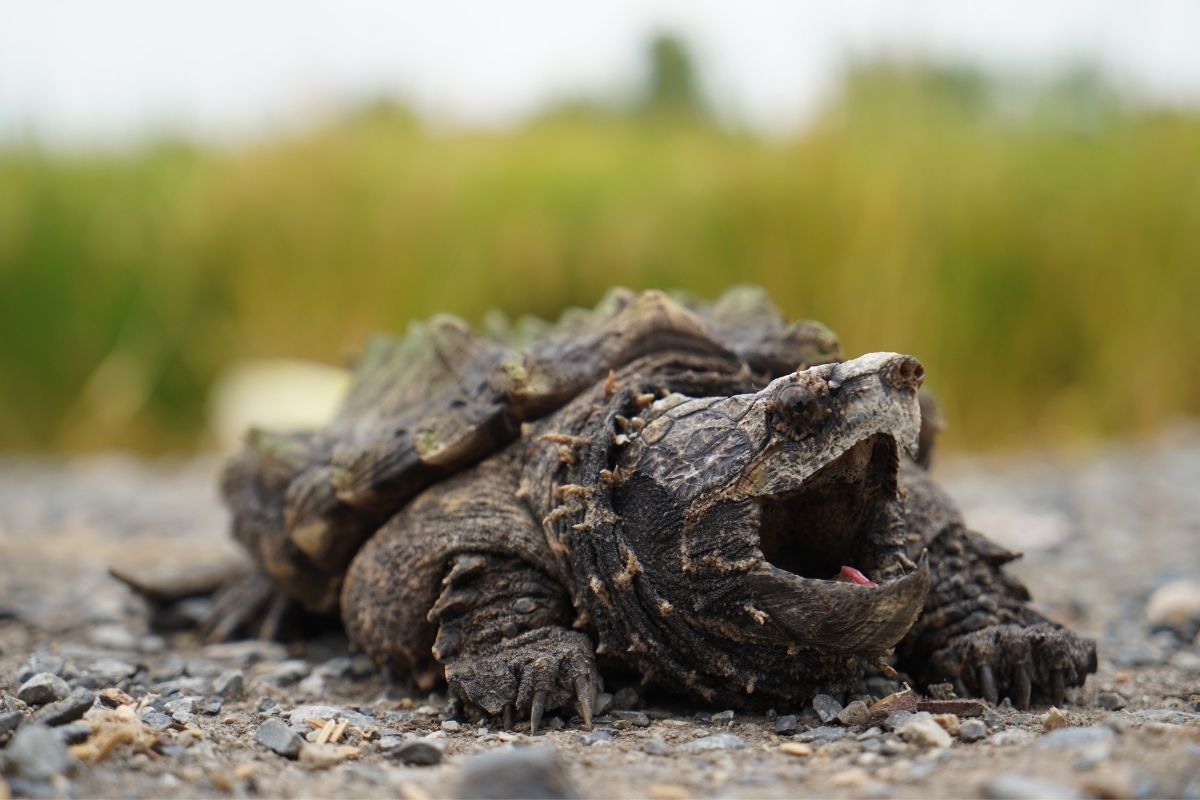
(1043, 260)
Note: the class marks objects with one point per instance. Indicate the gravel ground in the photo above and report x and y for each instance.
(91, 704)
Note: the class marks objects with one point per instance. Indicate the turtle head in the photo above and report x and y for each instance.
(776, 516)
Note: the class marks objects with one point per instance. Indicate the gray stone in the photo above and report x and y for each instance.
(972, 730)
(276, 736)
(636, 718)
(418, 752)
(37, 753)
(723, 717)
(896, 719)
(626, 699)
(786, 725)
(211, 706)
(69, 709)
(1071, 738)
(530, 772)
(42, 688)
(157, 719)
(181, 705)
(854, 714)
(597, 735)
(1025, 787)
(822, 733)
(1110, 701)
(230, 683)
(718, 741)
(827, 707)
(604, 702)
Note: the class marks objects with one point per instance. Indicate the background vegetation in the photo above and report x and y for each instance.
(1037, 247)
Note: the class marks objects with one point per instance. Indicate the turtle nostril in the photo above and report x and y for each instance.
(905, 372)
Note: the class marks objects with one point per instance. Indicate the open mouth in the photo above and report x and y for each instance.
(833, 573)
(837, 524)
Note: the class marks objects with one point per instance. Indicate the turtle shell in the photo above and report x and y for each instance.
(426, 405)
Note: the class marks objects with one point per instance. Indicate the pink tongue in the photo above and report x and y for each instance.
(857, 577)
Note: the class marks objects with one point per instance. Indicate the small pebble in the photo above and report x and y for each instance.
(275, 735)
(42, 688)
(722, 718)
(822, 733)
(1175, 605)
(157, 720)
(230, 683)
(417, 753)
(796, 749)
(69, 709)
(922, 730)
(896, 719)
(827, 707)
(597, 735)
(972, 730)
(320, 756)
(626, 699)
(604, 702)
(786, 724)
(718, 741)
(113, 697)
(1053, 719)
(450, 726)
(949, 722)
(1110, 701)
(854, 714)
(636, 718)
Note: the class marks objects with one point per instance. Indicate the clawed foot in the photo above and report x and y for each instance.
(1023, 663)
(539, 671)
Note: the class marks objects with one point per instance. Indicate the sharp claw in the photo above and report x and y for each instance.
(536, 711)
(507, 716)
(987, 684)
(1022, 688)
(585, 694)
(1058, 689)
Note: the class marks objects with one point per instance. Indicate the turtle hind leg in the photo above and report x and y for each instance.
(221, 602)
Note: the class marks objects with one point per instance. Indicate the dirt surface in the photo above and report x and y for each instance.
(1112, 539)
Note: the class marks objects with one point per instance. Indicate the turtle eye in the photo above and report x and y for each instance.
(800, 407)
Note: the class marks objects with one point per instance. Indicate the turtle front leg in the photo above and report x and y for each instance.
(979, 632)
(505, 644)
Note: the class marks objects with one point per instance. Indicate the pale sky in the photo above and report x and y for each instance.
(102, 71)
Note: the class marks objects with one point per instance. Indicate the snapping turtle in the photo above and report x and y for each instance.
(700, 494)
